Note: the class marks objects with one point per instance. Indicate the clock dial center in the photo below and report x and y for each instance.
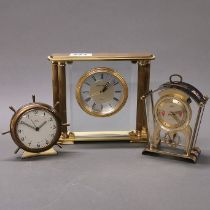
(102, 91)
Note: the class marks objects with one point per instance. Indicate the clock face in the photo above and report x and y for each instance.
(101, 92)
(36, 130)
(172, 113)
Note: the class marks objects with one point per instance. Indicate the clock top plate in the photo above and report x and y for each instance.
(100, 56)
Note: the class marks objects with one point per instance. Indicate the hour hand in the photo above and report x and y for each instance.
(172, 114)
(24, 123)
(106, 86)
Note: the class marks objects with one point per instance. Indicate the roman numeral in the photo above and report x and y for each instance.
(93, 106)
(118, 91)
(87, 83)
(85, 91)
(94, 78)
(116, 99)
(115, 83)
(102, 76)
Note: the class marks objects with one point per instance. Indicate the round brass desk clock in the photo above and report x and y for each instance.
(176, 125)
(35, 127)
(101, 92)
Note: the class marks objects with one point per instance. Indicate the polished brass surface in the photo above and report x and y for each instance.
(97, 136)
(192, 157)
(142, 88)
(55, 85)
(172, 118)
(50, 152)
(59, 91)
(102, 57)
(62, 95)
(179, 100)
(102, 97)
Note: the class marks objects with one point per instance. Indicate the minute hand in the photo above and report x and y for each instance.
(42, 124)
(172, 114)
(106, 86)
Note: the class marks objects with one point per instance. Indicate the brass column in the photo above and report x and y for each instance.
(141, 132)
(62, 95)
(55, 84)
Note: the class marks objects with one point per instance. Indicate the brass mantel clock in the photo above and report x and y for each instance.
(99, 95)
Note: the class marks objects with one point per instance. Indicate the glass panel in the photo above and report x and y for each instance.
(124, 120)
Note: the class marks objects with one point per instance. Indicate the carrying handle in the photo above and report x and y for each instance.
(177, 78)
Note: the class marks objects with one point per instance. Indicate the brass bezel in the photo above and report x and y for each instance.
(91, 72)
(29, 107)
(185, 105)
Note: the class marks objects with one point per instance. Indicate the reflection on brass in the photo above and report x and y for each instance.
(55, 85)
(107, 97)
(142, 88)
(175, 133)
(102, 57)
(50, 152)
(62, 94)
(33, 107)
(59, 92)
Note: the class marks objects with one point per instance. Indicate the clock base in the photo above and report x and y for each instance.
(98, 136)
(192, 157)
(49, 152)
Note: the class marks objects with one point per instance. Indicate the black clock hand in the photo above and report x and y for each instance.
(24, 123)
(172, 114)
(33, 123)
(106, 86)
(42, 124)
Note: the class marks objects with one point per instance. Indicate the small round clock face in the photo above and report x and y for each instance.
(36, 130)
(101, 92)
(172, 113)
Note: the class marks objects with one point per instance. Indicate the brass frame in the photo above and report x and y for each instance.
(191, 152)
(184, 104)
(59, 90)
(30, 107)
(101, 70)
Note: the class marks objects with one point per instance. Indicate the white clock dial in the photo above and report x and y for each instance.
(36, 129)
(101, 92)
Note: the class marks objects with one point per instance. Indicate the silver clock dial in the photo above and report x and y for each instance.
(101, 92)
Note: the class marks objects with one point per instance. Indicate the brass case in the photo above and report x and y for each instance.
(140, 134)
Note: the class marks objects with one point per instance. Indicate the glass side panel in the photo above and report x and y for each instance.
(124, 120)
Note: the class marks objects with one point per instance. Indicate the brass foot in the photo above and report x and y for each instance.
(138, 136)
(51, 151)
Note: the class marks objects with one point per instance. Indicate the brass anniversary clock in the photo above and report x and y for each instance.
(175, 124)
(99, 95)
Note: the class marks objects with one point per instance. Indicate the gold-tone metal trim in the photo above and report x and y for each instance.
(183, 103)
(100, 136)
(62, 95)
(55, 85)
(50, 152)
(142, 88)
(139, 136)
(102, 57)
(192, 157)
(93, 71)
